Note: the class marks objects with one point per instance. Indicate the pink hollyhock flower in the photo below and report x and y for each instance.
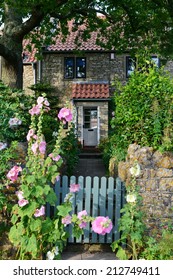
(55, 158)
(13, 173)
(20, 195)
(40, 100)
(65, 114)
(42, 147)
(102, 225)
(74, 188)
(66, 220)
(81, 215)
(34, 148)
(46, 103)
(30, 134)
(22, 202)
(35, 110)
(83, 224)
(40, 212)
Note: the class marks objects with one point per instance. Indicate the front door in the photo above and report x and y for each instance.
(90, 124)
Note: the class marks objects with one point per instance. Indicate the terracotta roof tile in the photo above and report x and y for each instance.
(90, 90)
(70, 44)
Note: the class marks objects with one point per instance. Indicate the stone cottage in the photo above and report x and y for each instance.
(82, 75)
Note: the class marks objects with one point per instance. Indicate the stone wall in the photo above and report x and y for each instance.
(155, 181)
(29, 77)
(99, 67)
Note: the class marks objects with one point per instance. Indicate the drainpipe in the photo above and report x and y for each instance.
(39, 70)
(98, 125)
(82, 126)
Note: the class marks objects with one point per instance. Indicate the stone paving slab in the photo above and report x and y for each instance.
(89, 256)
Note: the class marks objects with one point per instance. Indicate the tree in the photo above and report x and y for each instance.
(128, 24)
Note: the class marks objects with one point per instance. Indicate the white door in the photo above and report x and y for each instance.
(90, 126)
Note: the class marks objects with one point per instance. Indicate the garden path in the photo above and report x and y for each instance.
(90, 164)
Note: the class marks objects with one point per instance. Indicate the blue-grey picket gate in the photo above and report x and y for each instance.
(99, 197)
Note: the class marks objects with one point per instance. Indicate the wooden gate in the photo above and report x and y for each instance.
(99, 197)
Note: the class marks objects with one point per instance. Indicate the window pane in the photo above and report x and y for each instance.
(69, 68)
(130, 65)
(155, 59)
(80, 67)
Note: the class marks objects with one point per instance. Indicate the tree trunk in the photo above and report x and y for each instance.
(12, 74)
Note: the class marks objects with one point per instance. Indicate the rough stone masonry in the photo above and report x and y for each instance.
(155, 181)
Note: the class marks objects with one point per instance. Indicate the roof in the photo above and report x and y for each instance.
(90, 90)
(70, 41)
(65, 46)
(29, 55)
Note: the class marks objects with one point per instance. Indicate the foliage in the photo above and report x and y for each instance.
(13, 104)
(131, 223)
(144, 110)
(70, 150)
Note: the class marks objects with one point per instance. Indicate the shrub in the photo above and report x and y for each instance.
(14, 117)
(144, 111)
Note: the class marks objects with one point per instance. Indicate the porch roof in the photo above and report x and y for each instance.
(90, 90)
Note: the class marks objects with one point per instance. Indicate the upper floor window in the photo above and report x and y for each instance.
(74, 67)
(131, 64)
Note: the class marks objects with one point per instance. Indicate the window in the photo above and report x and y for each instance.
(74, 67)
(131, 64)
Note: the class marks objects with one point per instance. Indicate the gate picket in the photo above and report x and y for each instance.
(99, 197)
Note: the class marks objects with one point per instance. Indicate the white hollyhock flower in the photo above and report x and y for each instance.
(131, 198)
(50, 255)
(135, 170)
(56, 250)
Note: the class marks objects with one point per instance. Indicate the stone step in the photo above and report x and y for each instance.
(90, 155)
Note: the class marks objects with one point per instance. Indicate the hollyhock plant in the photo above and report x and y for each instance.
(40, 212)
(30, 134)
(12, 175)
(131, 198)
(42, 147)
(102, 225)
(40, 100)
(81, 215)
(20, 195)
(66, 220)
(65, 115)
(74, 188)
(35, 110)
(23, 202)
(34, 148)
(135, 170)
(55, 157)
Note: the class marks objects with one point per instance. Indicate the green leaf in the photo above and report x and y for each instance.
(46, 226)
(35, 225)
(14, 235)
(32, 245)
(29, 209)
(14, 219)
(121, 254)
(38, 191)
(51, 197)
(63, 210)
